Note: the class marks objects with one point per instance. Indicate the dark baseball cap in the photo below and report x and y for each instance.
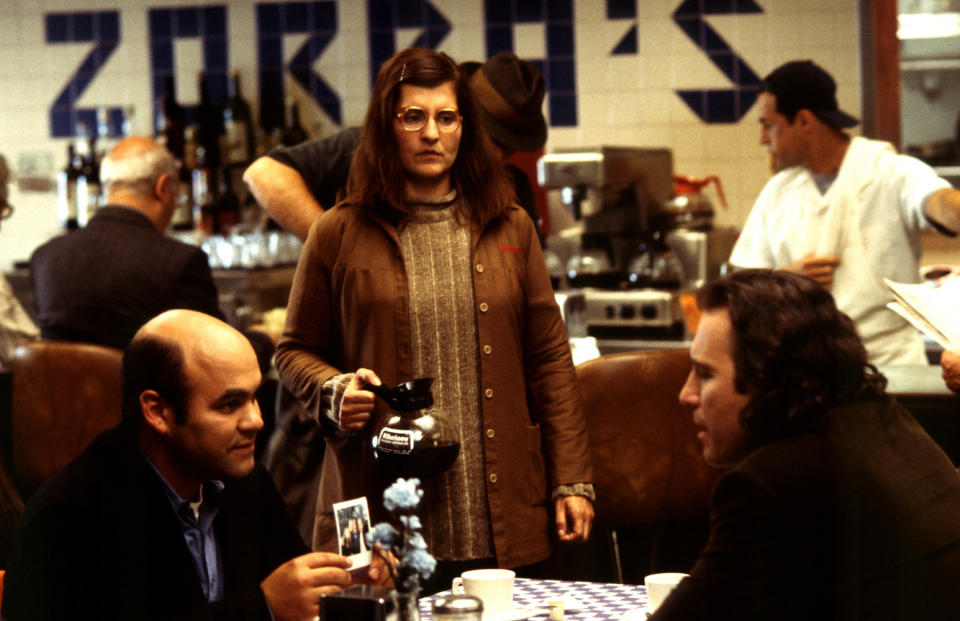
(800, 84)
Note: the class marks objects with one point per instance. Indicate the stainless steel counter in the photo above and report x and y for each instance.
(950, 173)
(260, 289)
(915, 380)
(921, 390)
(255, 290)
(613, 346)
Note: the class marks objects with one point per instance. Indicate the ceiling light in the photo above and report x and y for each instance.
(928, 25)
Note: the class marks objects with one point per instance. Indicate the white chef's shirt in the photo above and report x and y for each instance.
(878, 236)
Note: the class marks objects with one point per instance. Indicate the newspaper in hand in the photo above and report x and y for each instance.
(931, 307)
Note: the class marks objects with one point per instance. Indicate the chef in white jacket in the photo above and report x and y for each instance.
(845, 211)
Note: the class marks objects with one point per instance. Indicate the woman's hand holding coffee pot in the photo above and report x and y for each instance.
(357, 404)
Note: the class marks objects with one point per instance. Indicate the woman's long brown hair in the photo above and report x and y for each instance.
(377, 178)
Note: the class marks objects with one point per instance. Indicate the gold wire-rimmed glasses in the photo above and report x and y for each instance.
(414, 118)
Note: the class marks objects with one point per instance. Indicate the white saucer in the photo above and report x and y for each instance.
(517, 613)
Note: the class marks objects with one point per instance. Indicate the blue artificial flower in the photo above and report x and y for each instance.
(383, 535)
(411, 522)
(403, 495)
(421, 561)
(415, 541)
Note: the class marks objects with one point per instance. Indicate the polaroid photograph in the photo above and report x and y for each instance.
(353, 524)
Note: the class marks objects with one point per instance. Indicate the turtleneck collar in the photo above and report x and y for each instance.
(424, 209)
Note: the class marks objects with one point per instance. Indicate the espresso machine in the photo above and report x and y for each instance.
(629, 279)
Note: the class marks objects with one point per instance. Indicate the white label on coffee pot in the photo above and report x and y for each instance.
(395, 440)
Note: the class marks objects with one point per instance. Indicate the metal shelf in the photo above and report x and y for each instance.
(930, 64)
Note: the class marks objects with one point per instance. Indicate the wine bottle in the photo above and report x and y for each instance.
(237, 126)
(67, 190)
(267, 132)
(183, 214)
(293, 132)
(88, 179)
(171, 119)
(202, 185)
(226, 208)
(126, 125)
(209, 129)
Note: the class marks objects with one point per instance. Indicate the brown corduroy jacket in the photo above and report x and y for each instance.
(349, 309)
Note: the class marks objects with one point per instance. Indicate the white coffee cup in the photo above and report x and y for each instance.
(659, 586)
(494, 587)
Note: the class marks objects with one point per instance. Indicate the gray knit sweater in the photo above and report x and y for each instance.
(436, 253)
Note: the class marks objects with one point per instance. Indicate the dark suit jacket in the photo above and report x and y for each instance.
(99, 284)
(100, 541)
(858, 518)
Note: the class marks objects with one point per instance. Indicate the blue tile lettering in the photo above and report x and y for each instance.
(65, 28)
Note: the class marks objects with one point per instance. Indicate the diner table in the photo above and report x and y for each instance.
(584, 601)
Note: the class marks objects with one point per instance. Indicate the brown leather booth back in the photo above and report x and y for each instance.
(647, 462)
(64, 394)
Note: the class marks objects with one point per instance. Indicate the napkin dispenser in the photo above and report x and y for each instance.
(360, 602)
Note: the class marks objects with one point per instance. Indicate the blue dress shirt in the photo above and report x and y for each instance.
(196, 522)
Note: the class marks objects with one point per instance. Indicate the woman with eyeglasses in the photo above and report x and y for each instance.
(427, 268)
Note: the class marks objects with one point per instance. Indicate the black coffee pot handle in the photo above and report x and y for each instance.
(382, 391)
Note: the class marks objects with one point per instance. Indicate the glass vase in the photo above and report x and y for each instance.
(406, 606)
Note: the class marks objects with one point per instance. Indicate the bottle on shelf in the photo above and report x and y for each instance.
(171, 119)
(270, 127)
(183, 213)
(209, 130)
(105, 138)
(88, 180)
(126, 125)
(103, 122)
(226, 208)
(67, 190)
(202, 186)
(293, 132)
(238, 136)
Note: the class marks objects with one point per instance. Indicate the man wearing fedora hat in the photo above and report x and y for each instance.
(844, 211)
(296, 184)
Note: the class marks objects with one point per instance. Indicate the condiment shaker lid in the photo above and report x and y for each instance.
(455, 605)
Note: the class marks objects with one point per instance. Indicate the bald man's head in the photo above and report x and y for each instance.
(134, 165)
(169, 355)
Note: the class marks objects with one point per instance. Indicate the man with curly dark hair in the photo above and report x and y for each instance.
(835, 504)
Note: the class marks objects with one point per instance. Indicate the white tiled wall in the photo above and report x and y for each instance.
(622, 100)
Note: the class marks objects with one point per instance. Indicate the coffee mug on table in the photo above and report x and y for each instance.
(494, 587)
(659, 587)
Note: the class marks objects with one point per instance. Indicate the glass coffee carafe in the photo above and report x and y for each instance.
(412, 439)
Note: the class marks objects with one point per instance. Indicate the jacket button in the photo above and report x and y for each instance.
(491, 433)
(487, 349)
(493, 477)
(488, 393)
(479, 268)
(483, 307)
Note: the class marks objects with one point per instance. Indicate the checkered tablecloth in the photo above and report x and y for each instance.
(599, 601)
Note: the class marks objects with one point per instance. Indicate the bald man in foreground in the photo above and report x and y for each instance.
(167, 515)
